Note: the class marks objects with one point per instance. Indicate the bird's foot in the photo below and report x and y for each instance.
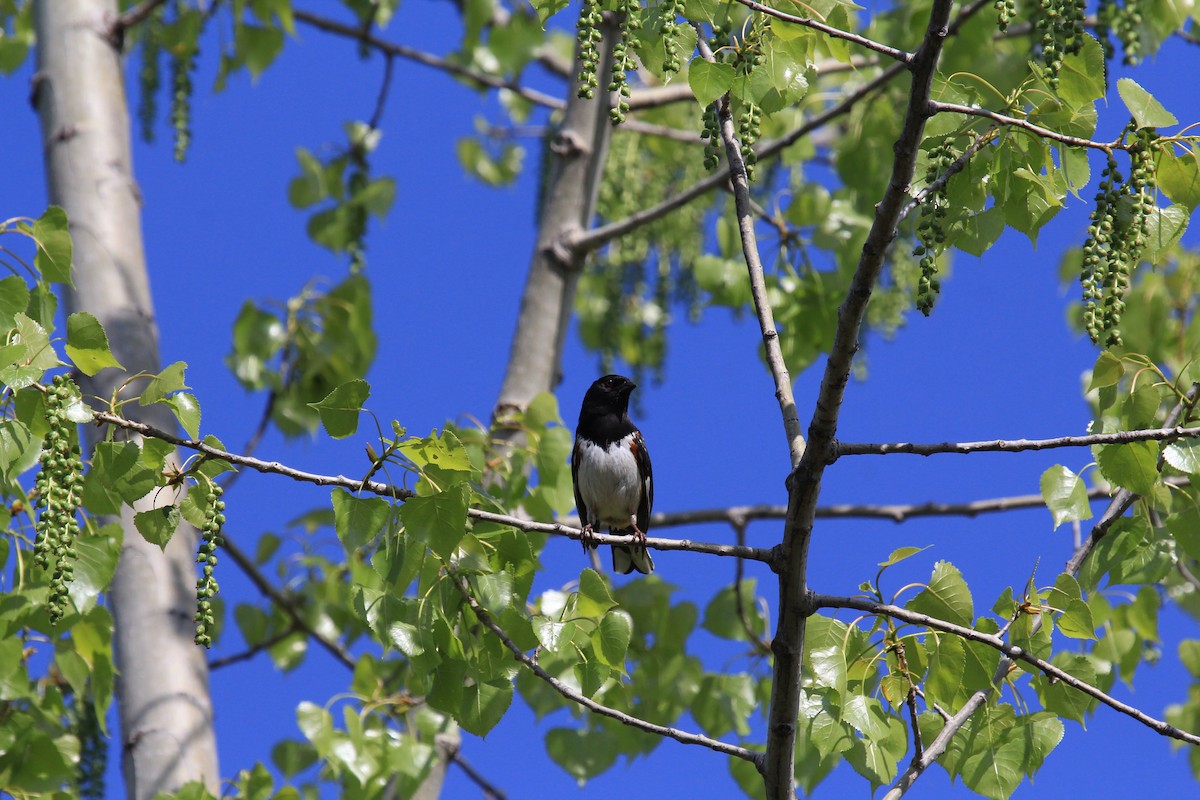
(587, 537)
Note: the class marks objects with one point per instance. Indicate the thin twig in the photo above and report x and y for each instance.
(384, 89)
(132, 17)
(251, 652)
(1116, 507)
(765, 555)
(575, 697)
(761, 646)
(1012, 651)
(836, 33)
(1023, 124)
(1014, 445)
(489, 789)
(283, 603)
(428, 59)
(758, 282)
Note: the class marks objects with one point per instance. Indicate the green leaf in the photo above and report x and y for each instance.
(483, 705)
(1166, 228)
(19, 450)
(1189, 655)
(594, 598)
(167, 382)
(724, 704)
(340, 408)
(358, 520)
(53, 238)
(1076, 620)
(1106, 372)
(1179, 177)
(292, 757)
(439, 520)
(157, 525)
(946, 596)
(1082, 79)
(582, 753)
(612, 637)
(258, 46)
(901, 553)
(1145, 110)
(1063, 700)
(1184, 456)
(547, 8)
(87, 344)
(1065, 495)
(94, 566)
(1133, 466)
(14, 298)
(721, 614)
(709, 81)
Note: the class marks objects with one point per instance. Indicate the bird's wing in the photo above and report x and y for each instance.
(576, 456)
(646, 500)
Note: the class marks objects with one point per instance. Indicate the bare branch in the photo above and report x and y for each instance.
(400, 493)
(836, 33)
(591, 705)
(758, 283)
(937, 747)
(1023, 124)
(287, 606)
(1116, 507)
(1014, 445)
(489, 789)
(132, 18)
(428, 59)
(1012, 651)
(805, 481)
(252, 651)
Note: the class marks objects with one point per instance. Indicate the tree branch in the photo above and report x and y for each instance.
(1026, 125)
(247, 566)
(1116, 507)
(836, 33)
(1012, 651)
(575, 697)
(1014, 445)
(489, 789)
(765, 555)
(758, 283)
(428, 59)
(805, 481)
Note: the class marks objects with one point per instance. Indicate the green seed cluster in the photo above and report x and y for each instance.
(588, 34)
(750, 55)
(623, 61)
(206, 587)
(150, 79)
(749, 129)
(1124, 21)
(711, 131)
(711, 134)
(1006, 12)
(59, 485)
(668, 29)
(1059, 30)
(931, 230)
(1120, 226)
(182, 66)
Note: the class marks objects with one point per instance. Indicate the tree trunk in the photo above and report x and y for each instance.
(580, 149)
(162, 685)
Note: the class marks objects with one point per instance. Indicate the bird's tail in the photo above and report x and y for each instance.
(626, 558)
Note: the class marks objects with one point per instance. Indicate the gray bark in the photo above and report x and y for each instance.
(579, 151)
(162, 687)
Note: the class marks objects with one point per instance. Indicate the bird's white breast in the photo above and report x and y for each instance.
(608, 482)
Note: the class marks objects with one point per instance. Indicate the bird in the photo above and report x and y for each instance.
(610, 470)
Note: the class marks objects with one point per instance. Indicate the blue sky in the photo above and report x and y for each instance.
(996, 360)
